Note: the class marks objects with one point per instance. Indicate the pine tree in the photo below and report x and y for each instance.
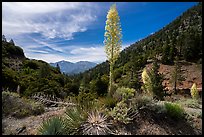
(165, 54)
(156, 81)
(4, 38)
(11, 42)
(58, 68)
(176, 75)
(112, 40)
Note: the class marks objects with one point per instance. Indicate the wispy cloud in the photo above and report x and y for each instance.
(94, 54)
(75, 54)
(51, 20)
(46, 30)
(45, 57)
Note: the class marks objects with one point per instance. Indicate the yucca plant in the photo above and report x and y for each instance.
(53, 126)
(96, 124)
(74, 117)
(194, 92)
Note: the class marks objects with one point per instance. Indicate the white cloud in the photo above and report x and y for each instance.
(51, 46)
(53, 19)
(94, 54)
(72, 53)
(45, 57)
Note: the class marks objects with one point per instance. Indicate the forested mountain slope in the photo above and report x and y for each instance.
(28, 76)
(181, 38)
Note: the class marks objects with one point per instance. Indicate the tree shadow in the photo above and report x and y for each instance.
(159, 124)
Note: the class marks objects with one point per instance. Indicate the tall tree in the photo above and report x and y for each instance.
(156, 81)
(112, 40)
(165, 54)
(176, 75)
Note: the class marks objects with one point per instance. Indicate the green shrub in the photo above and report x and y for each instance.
(158, 107)
(18, 107)
(33, 64)
(124, 93)
(120, 112)
(140, 101)
(10, 79)
(108, 102)
(174, 110)
(84, 97)
(189, 103)
(37, 108)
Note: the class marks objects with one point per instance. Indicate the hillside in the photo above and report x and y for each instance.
(192, 73)
(28, 76)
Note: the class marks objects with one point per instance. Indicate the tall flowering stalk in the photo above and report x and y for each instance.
(112, 40)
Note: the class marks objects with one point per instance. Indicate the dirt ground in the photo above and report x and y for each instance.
(11, 126)
(149, 123)
(191, 71)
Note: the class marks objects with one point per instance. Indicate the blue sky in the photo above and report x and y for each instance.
(74, 31)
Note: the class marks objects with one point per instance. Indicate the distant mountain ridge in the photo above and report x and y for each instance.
(74, 68)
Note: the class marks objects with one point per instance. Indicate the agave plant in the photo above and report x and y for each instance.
(96, 124)
(53, 126)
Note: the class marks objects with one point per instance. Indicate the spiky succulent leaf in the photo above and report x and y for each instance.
(96, 124)
(53, 126)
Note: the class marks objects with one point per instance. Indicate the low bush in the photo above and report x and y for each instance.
(140, 101)
(120, 113)
(108, 102)
(124, 93)
(18, 107)
(191, 103)
(174, 110)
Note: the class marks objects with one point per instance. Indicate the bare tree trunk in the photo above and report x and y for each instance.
(175, 88)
